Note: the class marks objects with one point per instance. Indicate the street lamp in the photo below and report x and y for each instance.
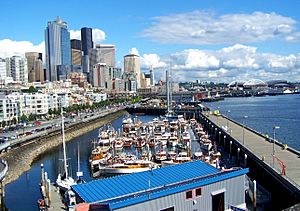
(274, 128)
(244, 117)
(228, 121)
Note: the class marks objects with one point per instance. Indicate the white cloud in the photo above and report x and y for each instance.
(98, 35)
(153, 60)
(134, 51)
(237, 62)
(10, 48)
(201, 27)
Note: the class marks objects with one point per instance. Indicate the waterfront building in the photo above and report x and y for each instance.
(58, 51)
(190, 186)
(9, 109)
(96, 97)
(18, 69)
(35, 66)
(86, 45)
(132, 65)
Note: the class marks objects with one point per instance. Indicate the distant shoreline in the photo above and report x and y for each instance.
(21, 158)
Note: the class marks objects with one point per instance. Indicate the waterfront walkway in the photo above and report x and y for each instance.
(258, 145)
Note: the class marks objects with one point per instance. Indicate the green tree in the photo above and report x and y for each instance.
(32, 117)
(32, 89)
(24, 118)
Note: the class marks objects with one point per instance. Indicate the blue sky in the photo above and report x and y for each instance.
(206, 40)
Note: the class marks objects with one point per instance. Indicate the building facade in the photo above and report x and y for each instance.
(58, 51)
(86, 45)
(35, 66)
(132, 65)
(18, 69)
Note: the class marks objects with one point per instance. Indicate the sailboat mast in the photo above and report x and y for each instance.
(168, 91)
(78, 157)
(64, 144)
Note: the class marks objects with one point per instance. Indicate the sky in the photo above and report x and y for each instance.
(202, 40)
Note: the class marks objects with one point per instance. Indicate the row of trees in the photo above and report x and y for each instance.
(73, 108)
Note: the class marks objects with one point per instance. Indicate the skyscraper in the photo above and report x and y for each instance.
(35, 66)
(103, 53)
(132, 65)
(86, 45)
(86, 40)
(76, 44)
(58, 51)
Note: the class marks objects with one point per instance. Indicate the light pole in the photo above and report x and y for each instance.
(273, 155)
(244, 117)
(228, 122)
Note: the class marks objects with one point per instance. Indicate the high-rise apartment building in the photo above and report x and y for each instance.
(86, 45)
(35, 66)
(132, 65)
(3, 72)
(18, 69)
(58, 51)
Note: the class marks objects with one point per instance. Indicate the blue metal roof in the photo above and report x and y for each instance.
(134, 188)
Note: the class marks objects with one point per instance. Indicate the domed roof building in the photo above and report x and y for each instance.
(254, 83)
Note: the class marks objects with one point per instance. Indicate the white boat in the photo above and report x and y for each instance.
(205, 144)
(64, 181)
(182, 157)
(128, 167)
(119, 144)
(161, 155)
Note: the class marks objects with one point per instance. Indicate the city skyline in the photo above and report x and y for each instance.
(217, 41)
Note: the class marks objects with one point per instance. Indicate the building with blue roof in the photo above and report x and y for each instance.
(190, 186)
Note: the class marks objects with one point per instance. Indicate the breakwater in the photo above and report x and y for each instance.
(20, 159)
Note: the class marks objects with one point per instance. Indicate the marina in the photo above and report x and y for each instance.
(137, 146)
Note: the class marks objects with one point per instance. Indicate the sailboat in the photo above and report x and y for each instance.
(170, 115)
(64, 181)
(79, 173)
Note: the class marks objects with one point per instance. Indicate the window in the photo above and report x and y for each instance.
(189, 194)
(198, 191)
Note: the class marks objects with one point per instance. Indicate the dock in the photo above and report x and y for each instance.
(55, 200)
(252, 149)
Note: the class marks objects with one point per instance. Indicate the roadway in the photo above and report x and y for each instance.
(53, 125)
(263, 149)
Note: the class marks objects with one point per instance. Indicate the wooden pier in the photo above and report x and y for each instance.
(254, 150)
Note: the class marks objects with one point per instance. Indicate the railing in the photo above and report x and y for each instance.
(4, 170)
(265, 165)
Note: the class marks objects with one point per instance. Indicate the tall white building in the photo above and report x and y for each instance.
(132, 65)
(18, 69)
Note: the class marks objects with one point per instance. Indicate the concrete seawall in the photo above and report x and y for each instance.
(20, 159)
